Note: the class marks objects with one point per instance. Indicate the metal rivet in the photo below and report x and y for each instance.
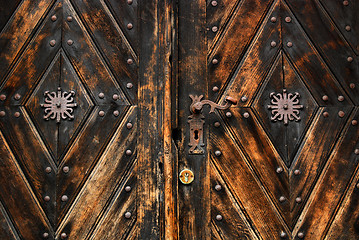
(128, 152)
(63, 235)
(326, 114)
(66, 169)
(69, 19)
(215, 89)
(129, 85)
(244, 99)
(301, 235)
(296, 172)
(17, 114)
(215, 61)
(116, 113)
(129, 61)
(217, 153)
(127, 215)
(246, 115)
(217, 124)
(219, 217)
(228, 114)
(214, 29)
(127, 188)
(17, 96)
(341, 114)
(47, 198)
(298, 200)
(356, 151)
(354, 122)
(325, 98)
(273, 19)
(115, 97)
(288, 19)
(345, 3)
(349, 59)
(101, 95)
(48, 170)
(2, 97)
(347, 28)
(273, 44)
(279, 170)
(45, 235)
(352, 85)
(129, 26)
(70, 42)
(289, 44)
(340, 98)
(129, 125)
(2, 113)
(129, 2)
(214, 3)
(101, 113)
(53, 18)
(64, 198)
(218, 187)
(283, 234)
(358, 185)
(281, 199)
(52, 43)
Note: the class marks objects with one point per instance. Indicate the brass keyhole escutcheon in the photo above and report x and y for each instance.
(186, 176)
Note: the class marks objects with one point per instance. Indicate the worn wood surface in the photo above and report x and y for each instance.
(112, 172)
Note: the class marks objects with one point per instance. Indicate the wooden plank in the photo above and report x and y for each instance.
(149, 120)
(257, 61)
(32, 156)
(6, 11)
(235, 40)
(247, 189)
(194, 199)
(34, 61)
(332, 184)
(99, 189)
(234, 224)
(313, 155)
(17, 32)
(18, 198)
(109, 38)
(7, 229)
(330, 44)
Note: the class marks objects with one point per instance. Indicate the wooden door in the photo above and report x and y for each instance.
(77, 90)
(283, 162)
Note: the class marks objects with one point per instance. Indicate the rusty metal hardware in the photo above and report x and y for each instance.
(186, 176)
(196, 120)
(60, 105)
(285, 106)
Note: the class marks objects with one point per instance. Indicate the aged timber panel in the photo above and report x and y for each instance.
(274, 178)
(68, 119)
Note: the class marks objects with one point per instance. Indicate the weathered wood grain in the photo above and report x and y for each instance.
(7, 228)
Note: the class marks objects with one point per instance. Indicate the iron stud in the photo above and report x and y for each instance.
(214, 3)
(2, 114)
(128, 215)
(229, 114)
(115, 97)
(281, 199)
(246, 115)
(116, 113)
(340, 98)
(101, 113)
(17, 114)
(47, 198)
(218, 187)
(289, 44)
(129, 26)
(63, 235)
(354, 122)
(2, 97)
(352, 85)
(127, 188)
(128, 152)
(215, 89)
(325, 98)
(64, 198)
(273, 19)
(52, 43)
(325, 114)
(45, 235)
(219, 217)
(214, 29)
(279, 170)
(347, 28)
(283, 234)
(70, 42)
(129, 85)
(288, 19)
(129, 61)
(129, 2)
(298, 199)
(17, 96)
(301, 235)
(129, 125)
(217, 153)
(217, 124)
(244, 99)
(356, 151)
(69, 19)
(341, 114)
(48, 170)
(273, 44)
(296, 172)
(215, 61)
(101, 95)
(53, 18)
(346, 3)
(66, 169)
(357, 185)
(349, 59)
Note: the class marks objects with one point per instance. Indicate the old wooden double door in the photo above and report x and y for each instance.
(103, 127)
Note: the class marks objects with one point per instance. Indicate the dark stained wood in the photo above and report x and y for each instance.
(7, 228)
(6, 10)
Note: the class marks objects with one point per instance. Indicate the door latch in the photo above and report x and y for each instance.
(196, 120)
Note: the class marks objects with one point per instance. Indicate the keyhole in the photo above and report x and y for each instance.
(186, 177)
(196, 134)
